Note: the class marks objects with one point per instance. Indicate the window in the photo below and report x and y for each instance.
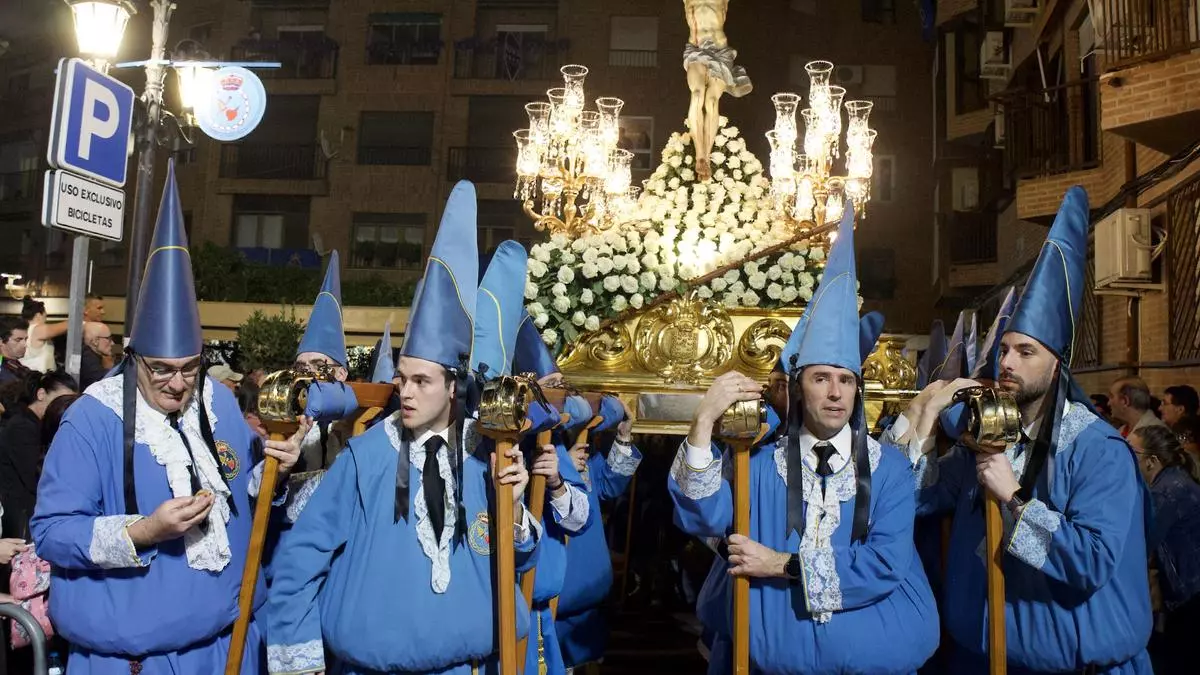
(883, 179)
(270, 222)
(970, 92)
(879, 11)
(633, 42)
(404, 39)
(395, 138)
(501, 219)
(389, 240)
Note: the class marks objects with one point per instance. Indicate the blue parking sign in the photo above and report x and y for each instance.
(93, 117)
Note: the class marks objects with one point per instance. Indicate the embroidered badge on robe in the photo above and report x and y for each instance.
(478, 535)
(229, 460)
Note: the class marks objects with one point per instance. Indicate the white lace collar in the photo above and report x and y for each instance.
(208, 550)
(824, 514)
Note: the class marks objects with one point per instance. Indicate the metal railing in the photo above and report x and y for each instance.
(631, 58)
(1183, 236)
(1053, 130)
(499, 59)
(482, 165)
(1085, 352)
(404, 53)
(395, 155)
(272, 161)
(972, 238)
(301, 59)
(20, 185)
(1134, 31)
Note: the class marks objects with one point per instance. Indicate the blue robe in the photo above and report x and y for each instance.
(581, 625)
(862, 607)
(350, 579)
(552, 567)
(112, 603)
(1076, 585)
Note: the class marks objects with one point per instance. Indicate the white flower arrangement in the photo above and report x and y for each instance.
(681, 230)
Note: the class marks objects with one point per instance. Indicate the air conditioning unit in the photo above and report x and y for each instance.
(993, 57)
(844, 75)
(1020, 13)
(1123, 248)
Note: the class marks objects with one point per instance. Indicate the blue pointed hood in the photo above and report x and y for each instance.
(531, 354)
(935, 355)
(167, 323)
(384, 370)
(831, 336)
(440, 323)
(956, 363)
(870, 327)
(499, 306)
(1050, 305)
(324, 333)
(988, 365)
(578, 410)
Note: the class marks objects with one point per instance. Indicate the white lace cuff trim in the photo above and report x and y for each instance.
(623, 459)
(1031, 537)
(571, 509)
(307, 657)
(696, 484)
(822, 586)
(295, 500)
(111, 548)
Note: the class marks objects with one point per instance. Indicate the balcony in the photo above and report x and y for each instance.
(390, 155)
(1183, 203)
(282, 257)
(482, 165)
(1137, 31)
(306, 58)
(529, 58)
(972, 238)
(272, 162)
(1052, 131)
(20, 191)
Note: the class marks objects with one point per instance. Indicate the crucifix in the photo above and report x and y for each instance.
(711, 72)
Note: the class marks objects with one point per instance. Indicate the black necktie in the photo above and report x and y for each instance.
(435, 487)
(193, 470)
(824, 452)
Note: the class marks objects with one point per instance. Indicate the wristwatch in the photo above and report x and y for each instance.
(1014, 505)
(792, 568)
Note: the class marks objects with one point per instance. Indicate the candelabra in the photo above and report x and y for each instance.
(571, 176)
(804, 188)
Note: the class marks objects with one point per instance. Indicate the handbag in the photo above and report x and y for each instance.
(29, 585)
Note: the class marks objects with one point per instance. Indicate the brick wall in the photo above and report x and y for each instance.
(1151, 91)
(1097, 382)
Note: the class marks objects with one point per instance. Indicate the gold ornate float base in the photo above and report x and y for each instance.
(662, 360)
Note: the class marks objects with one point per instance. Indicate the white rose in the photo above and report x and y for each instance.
(774, 272)
(537, 268)
(531, 290)
(611, 284)
(536, 308)
(590, 255)
(730, 131)
(550, 336)
(566, 275)
(648, 280)
(592, 323)
(673, 183)
(737, 287)
(687, 159)
(758, 280)
(734, 162)
(619, 304)
(561, 304)
(704, 292)
(559, 289)
(731, 300)
(717, 158)
(816, 254)
(568, 258)
(541, 253)
(806, 294)
(719, 284)
(722, 121)
(540, 320)
(604, 265)
(589, 270)
(789, 294)
(733, 275)
(586, 296)
(629, 283)
(579, 245)
(636, 300)
(750, 299)
(806, 280)
(737, 174)
(774, 291)
(667, 283)
(632, 265)
(578, 318)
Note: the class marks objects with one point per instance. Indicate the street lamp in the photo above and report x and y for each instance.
(100, 25)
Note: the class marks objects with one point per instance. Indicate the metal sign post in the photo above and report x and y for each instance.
(79, 265)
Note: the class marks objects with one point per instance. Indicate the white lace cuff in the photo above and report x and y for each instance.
(307, 657)
(307, 484)
(696, 484)
(822, 586)
(1031, 537)
(925, 470)
(623, 459)
(255, 483)
(111, 548)
(571, 509)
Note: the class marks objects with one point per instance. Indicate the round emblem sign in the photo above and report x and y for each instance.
(233, 105)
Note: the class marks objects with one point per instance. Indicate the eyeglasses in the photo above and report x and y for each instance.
(162, 373)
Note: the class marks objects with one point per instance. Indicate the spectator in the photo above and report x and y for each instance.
(248, 401)
(1131, 405)
(53, 418)
(1178, 402)
(39, 350)
(1188, 430)
(96, 359)
(93, 308)
(1172, 475)
(14, 332)
(226, 376)
(21, 444)
(1100, 403)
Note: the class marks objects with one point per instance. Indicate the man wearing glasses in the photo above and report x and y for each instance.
(147, 494)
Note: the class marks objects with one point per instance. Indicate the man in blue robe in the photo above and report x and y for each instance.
(835, 582)
(581, 623)
(392, 579)
(567, 507)
(1076, 590)
(146, 517)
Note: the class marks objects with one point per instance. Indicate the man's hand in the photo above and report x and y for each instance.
(726, 390)
(546, 464)
(288, 452)
(514, 474)
(996, 475)
(748, 558)
(923, 410)
(625, 426)
(579, 453)
(171, 519)
(10, 548)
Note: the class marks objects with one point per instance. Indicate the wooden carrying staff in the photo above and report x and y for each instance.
(742, 426)
(997, 649)
(281, 402)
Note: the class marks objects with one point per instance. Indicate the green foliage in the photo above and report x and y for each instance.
(269, 342)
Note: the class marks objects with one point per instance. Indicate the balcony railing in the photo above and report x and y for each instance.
(395, 155)
(482, 165)
(632, 58)
(1133, 31)
(1054, 130)
(284, 162)
(972, 238)
(281, 257)
(302, 58)
(1183, 230)
(20, 186)
(507, 58)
